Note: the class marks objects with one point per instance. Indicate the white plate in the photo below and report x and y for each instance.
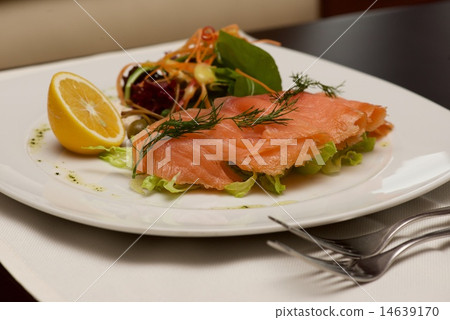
(412, 160)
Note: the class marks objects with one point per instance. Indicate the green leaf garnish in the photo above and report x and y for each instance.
(272, 183)
(236, 53)
(240, 189)
(312, 166)
(119, 157)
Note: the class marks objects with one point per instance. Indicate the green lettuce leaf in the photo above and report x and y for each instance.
(240, 189)
(313, 167)
(333, 165)
(366, 145)
(328, 151)
(334, 160)
(342, 158)
(272, 183)
(145, 184)
(136, 184)
(350, 156)
(119, 157)
(153, 182)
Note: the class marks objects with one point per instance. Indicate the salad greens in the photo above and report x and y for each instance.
(240, 189)
(272, 183)
(350, 156)
(210, 64)
(312, 166)
(145, 184)
(119, 157)
(153, 182)
(235, 53)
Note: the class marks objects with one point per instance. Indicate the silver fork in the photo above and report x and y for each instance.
(364, 245)
(364, 269)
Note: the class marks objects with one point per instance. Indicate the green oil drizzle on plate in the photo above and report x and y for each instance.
(37, 139)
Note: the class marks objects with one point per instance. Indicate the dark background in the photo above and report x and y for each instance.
(334, 7)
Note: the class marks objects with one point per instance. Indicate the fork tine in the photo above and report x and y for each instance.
(297, 231)
(300, 232)
(322, 243)
(333, 266)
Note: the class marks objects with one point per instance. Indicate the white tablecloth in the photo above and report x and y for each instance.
(58, 260)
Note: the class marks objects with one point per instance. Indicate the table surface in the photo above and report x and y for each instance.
(407, 46)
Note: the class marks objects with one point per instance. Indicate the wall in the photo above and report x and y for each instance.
(36, 31)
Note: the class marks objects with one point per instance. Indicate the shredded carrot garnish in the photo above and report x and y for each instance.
(177, 96)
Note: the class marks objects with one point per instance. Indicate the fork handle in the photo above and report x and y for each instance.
(395, 252)
(392, 230)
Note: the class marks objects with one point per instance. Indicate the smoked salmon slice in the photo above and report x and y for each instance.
(265, 148)
(172, 157)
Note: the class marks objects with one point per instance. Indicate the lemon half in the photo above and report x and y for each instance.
(81, 116)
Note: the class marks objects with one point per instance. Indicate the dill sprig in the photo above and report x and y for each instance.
(177, 127)
(284, 103)
(254, 116)
(303, 82)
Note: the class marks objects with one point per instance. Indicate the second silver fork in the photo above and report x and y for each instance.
(365, 245)
(363, 269)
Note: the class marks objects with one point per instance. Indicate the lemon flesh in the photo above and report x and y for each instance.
(81, 116)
